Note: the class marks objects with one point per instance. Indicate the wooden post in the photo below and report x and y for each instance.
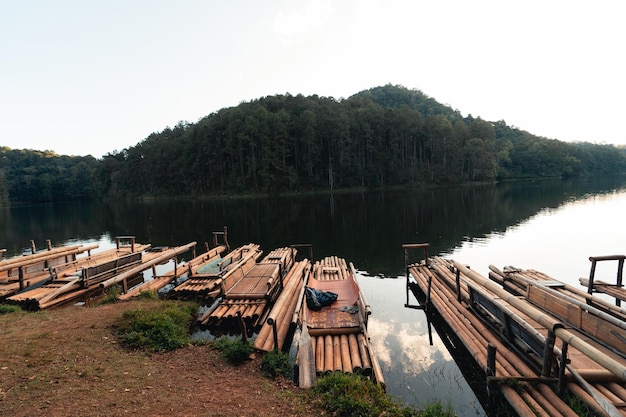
(548, 354)
(562, 386)
(33, 249)
(430, 280)
(592, 273)
(21, 277)
(48, 244)
(491, 359)
(458, 285)
(620, 271)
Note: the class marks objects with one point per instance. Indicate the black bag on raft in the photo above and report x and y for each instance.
(316, 299)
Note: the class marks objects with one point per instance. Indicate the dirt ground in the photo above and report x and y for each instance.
(68, 362)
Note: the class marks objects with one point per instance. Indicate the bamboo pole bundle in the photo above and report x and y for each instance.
(607, 403)
(282, 309)
(516, 402)
(506, 365)
(585, 347)
(475, 335)
(523, 278)
(284, 324)
(538, 409)
(166, 255)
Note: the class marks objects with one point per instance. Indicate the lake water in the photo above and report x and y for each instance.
(551, 226)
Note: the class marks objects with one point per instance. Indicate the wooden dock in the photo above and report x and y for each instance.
(535, 339)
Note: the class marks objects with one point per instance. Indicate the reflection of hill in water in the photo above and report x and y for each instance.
(365, 228)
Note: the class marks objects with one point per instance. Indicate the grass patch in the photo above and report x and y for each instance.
(351, 395)
(161, 328)
(148, 295)
(9, 308)
(234, 350)
(276, 363)
(109, 295)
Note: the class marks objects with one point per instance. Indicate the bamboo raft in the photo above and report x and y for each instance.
(158, 282)
(249, 292)
(526, 327)
(335, 337)
(208, 278)
(21, 272)
(89, 279)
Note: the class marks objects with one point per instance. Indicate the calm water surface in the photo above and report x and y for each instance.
(551, 226)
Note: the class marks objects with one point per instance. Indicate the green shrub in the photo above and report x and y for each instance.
(9, 308)
(148, 295)
(436, 409)
(109, 295)
(350, 395)
(234, 350)
(276, 363)
(161, 328)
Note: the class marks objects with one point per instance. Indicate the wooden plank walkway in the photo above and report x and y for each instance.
(517, 336)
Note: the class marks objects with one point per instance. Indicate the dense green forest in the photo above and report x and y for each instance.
(384, 136)
(43, 176)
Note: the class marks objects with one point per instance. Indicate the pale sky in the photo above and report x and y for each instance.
(91, 77)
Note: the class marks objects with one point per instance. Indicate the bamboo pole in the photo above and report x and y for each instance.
(320, 355)
(328, 354)
(337, 356)
(355, 357)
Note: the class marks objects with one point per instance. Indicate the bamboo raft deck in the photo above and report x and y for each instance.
(21, 272)
(335, 337)
(249, 293)
(91, 277)
(527, 327)
(208, 259)
(207, 278)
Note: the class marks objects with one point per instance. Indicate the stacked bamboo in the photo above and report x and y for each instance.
(449, 295)
(281, 320)
(476, 337)
(342, 349)
(83, 287)
(209, 278)
(160, 281)
(22, 272)
(246, 311)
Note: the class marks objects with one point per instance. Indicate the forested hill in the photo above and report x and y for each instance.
(383, 136)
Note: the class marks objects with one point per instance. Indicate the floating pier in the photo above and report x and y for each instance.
(535, 338)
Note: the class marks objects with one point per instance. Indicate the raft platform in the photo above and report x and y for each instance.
(334, 337)
(536, 339)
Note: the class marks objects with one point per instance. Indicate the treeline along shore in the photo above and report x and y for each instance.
(384, 136)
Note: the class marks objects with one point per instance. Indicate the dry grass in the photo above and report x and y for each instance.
(68, 362)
